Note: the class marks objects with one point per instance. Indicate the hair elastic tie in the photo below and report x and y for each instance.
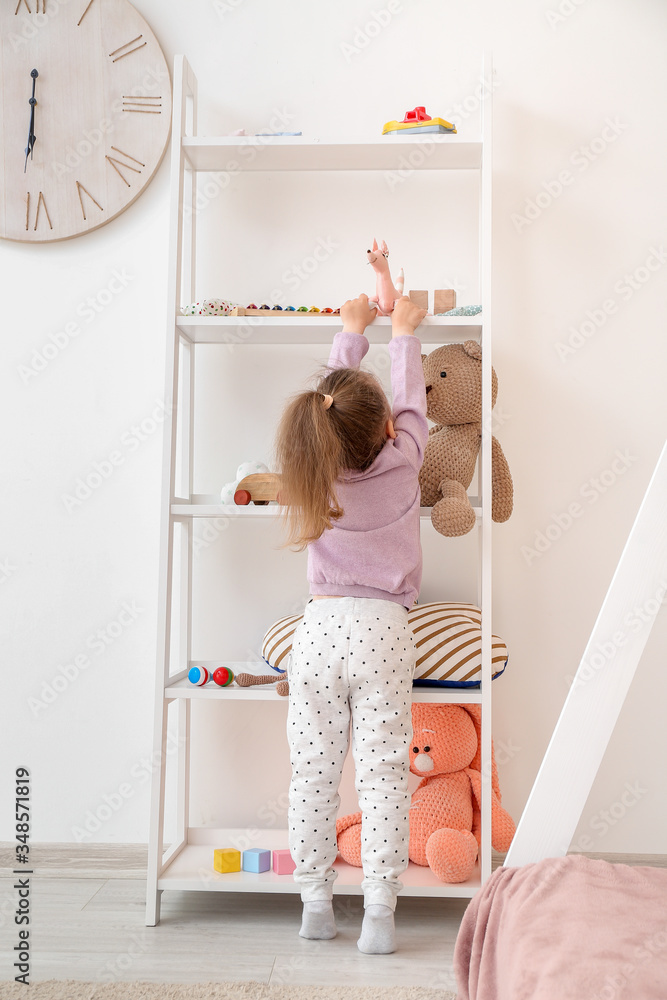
(328, 400)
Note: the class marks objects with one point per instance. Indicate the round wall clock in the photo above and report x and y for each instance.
(85, 114)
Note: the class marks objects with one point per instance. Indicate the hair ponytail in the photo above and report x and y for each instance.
(338, 426)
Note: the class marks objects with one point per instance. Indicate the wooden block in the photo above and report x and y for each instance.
(420, 298)
(444, 299)
(256, 859)
(261, 487)
(283, 863)
(227, 859)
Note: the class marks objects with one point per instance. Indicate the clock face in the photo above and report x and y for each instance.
(98, 126)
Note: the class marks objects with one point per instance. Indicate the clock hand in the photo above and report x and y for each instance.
(31, 133)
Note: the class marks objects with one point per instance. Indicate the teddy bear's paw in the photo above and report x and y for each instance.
(453, 514)
(501, 508)
(452, 854)
(349, 845)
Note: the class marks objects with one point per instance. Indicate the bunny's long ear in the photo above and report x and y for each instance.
(375, 244)
(384, 247)
(475, 711)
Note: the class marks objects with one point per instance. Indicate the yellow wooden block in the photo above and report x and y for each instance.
(227, 859)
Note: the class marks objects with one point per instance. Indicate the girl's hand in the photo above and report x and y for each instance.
(406, 317)
(356, 314)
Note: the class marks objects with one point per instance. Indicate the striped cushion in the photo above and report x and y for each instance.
(448, 639)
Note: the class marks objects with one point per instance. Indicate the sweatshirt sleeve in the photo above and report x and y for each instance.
(409, 392)
(347, 350)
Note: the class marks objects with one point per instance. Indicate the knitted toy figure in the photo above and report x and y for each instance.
(445, 810)
(453, 376)
(386, 292)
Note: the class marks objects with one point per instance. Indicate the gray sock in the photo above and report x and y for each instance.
(318, 922)
(378, 936)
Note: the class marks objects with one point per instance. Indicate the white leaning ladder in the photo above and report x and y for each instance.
(602, 681)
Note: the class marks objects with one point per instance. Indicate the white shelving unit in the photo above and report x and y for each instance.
(187, 865)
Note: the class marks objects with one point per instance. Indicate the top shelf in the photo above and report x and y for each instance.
(240, 153)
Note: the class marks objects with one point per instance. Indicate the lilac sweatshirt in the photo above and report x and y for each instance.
(374, 549)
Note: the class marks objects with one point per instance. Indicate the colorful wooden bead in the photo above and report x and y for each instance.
(302, 309)
(276, 308)
(227, 859)
(314, 309)
(327, 310)
(223, 676)
(336, 312)
(256, 859)
(264, 306)
(199, 676)
(283, 863)
(290, 309)
(251, 306)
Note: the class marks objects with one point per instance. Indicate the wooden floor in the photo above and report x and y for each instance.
(89, 924)
(88, 913)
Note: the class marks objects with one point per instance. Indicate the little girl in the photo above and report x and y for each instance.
(349, 471)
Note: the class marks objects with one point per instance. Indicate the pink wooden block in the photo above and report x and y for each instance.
(283, 863)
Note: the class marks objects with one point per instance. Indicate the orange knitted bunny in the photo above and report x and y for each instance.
(445, 810)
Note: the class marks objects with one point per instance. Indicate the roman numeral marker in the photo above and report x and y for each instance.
(79, 189)
(143, 105)
(84, 13)
(129, 51)
(40, 201)
(116, 164)
(27, 7)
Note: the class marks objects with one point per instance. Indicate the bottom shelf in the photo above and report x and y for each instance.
(192, 869)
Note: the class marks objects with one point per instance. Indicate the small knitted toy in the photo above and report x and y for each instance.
(386, 292)
(445, 809)
(453, 376)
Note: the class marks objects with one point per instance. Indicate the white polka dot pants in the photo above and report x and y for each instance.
(352, 660)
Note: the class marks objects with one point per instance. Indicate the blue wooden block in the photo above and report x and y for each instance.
(255, 859)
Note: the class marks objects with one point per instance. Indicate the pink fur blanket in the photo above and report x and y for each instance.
(565, 929)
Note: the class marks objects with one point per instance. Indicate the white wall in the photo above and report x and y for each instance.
(560, 79)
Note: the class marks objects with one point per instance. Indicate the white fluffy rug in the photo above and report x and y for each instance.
(71, 989)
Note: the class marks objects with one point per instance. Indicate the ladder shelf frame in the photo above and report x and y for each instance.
(191, 154)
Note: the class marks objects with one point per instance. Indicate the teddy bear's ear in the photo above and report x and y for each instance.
(474, 349)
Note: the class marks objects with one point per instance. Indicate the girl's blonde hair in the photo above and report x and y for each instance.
(316, 442)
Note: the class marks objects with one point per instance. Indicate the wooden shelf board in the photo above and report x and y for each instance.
(238, 154)
(192, 869)
(270, 510)
(302, 328)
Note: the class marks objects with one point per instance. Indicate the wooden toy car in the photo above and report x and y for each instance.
(259, 487)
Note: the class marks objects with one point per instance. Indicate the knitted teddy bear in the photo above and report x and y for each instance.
(453, 376)
(445, 809)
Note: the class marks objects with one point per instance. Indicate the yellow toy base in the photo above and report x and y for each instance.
(424, 126)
